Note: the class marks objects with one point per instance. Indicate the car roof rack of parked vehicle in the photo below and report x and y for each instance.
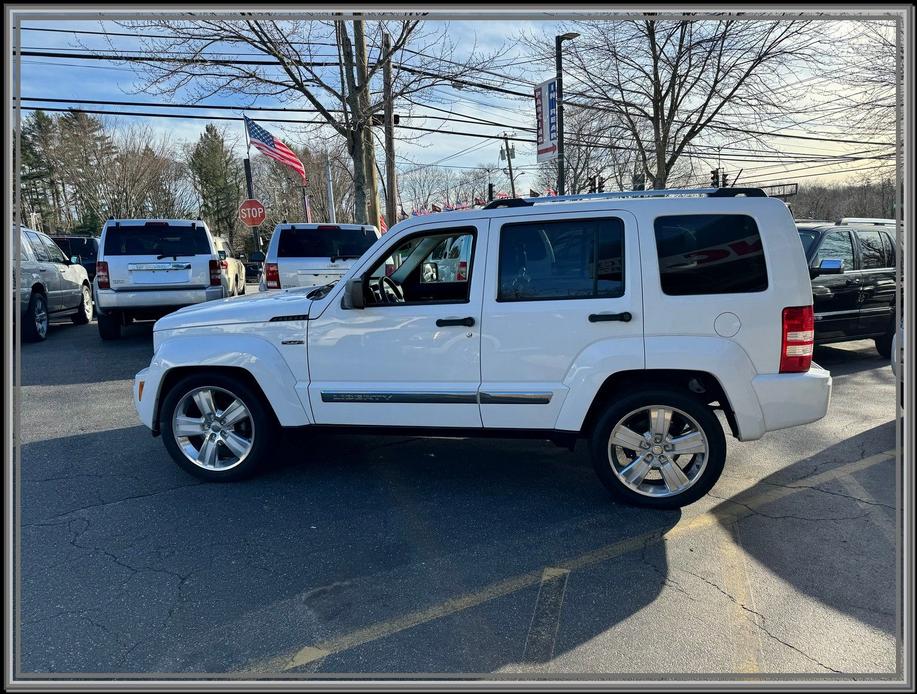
(867, 220)
(651, 193)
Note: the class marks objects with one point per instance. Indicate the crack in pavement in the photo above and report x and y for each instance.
(788, 516)
(828, 491)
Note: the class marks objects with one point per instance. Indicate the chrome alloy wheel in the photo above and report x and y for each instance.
(658, 450)
(40, 315)
(87, 302)
(213, 428)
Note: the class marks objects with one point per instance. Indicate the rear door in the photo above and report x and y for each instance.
(47, 271)
(158, 255)
(557, 284)
(836, 297)
(877, 291)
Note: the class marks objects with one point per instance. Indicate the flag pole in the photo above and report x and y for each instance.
(305, 205)
(249, 186)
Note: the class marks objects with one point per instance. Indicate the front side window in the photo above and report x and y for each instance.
(872, 252)
(569, 259)
(709, 254)
(54, 251)
(431, 268)
(836, 245)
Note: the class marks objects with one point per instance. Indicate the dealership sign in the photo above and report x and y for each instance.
(546, 120)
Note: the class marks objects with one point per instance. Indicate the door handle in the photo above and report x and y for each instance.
(42, 269)
(602, 317)
(443, 322)
(853, 281)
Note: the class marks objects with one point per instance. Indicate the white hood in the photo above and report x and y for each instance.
(252, 308)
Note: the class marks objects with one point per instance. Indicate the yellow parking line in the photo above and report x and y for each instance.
(539, 642)
(726, 514)
(735, 579)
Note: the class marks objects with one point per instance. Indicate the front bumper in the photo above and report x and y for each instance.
(145, 405)
(788, 400)
(111, 300)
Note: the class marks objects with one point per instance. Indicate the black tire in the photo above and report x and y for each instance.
(618, 409)
(264, 427)
(109, 326)
(31, 331)
(884, 343)
(242, 291)
(84, 312)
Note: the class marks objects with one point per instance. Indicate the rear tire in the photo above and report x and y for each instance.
(35, 320)
(253, 434)
(109, 326)
(667, 469)
(84, 313)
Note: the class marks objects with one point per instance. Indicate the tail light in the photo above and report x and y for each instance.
(102, 275)
(461, 275)
(215, 278)
(224, 264)
(798, 341)
(272, 275)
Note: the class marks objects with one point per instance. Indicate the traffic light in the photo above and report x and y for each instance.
(601, 185)
(715, 178)
(490, 192)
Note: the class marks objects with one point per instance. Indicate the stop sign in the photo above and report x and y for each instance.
(251, 212)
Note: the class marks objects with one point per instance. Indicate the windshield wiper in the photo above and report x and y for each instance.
(173, 256)
(344, 256)
(320, 292)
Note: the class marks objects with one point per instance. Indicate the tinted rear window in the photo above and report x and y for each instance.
(324, 243)
(710, 254)
(156, 240)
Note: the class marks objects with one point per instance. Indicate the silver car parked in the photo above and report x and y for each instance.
(50, 283)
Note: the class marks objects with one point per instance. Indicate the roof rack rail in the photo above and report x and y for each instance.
(651, 193)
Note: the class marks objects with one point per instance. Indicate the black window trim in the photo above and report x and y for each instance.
(559, 219)
(441, 231)
(767, 269)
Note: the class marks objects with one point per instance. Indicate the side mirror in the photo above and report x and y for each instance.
(829, 266)
(354, 297)
(75, 260)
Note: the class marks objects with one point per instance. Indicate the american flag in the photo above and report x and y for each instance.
(383, 227)
(271, 147)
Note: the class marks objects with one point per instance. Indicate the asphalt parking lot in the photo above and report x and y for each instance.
(403, 555)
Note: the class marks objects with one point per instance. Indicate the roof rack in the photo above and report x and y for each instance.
(867, 220)
(651, 193)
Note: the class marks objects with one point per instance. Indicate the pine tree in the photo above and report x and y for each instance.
(216, 174)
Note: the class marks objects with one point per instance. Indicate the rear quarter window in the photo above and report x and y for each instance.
(709, 254)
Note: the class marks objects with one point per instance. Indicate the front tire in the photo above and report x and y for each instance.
(109, 326)
(84, 313)
(884, 343)
(216, 427)
(658, 448)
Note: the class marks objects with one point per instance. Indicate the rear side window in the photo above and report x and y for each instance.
(889, 249)
(571, 259)
(872, 252)
(38, 248)
(836, 244)
(324, 242)
(710, 254)
(156, 240)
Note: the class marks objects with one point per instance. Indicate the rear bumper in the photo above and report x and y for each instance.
(111, 300)
(788, 400)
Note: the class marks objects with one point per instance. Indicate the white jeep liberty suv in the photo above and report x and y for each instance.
(627, 319)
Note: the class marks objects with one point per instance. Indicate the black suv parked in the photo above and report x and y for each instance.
(86, 247)
(852, 266)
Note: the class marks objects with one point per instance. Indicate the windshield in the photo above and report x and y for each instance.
(165, 240)
(324, 243)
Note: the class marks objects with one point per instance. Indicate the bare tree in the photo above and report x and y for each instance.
(668, 81)
(209, 54)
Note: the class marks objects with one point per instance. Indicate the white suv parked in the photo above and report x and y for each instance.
(305, 255)
(627, 319)
(149, 267)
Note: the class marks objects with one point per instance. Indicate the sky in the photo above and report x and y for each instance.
(74, 78)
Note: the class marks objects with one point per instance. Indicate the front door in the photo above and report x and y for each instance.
(836, 297)
(412, 355)
(558, 285)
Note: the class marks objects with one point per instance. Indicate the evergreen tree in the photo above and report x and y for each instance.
(217, 176)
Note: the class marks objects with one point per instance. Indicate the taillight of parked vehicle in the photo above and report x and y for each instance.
(461, 275)
(272, 275)
(798, 341)
(215, 277)
(224, 264)
(102, 275)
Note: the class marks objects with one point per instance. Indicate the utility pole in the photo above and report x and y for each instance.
(559, 68)
(509, 163)
(391, 194)
(369, 148)
(329, 188)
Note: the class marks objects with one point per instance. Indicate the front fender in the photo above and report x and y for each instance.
(255, 355)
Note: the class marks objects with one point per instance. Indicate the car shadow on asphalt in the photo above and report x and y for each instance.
(841, 361)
